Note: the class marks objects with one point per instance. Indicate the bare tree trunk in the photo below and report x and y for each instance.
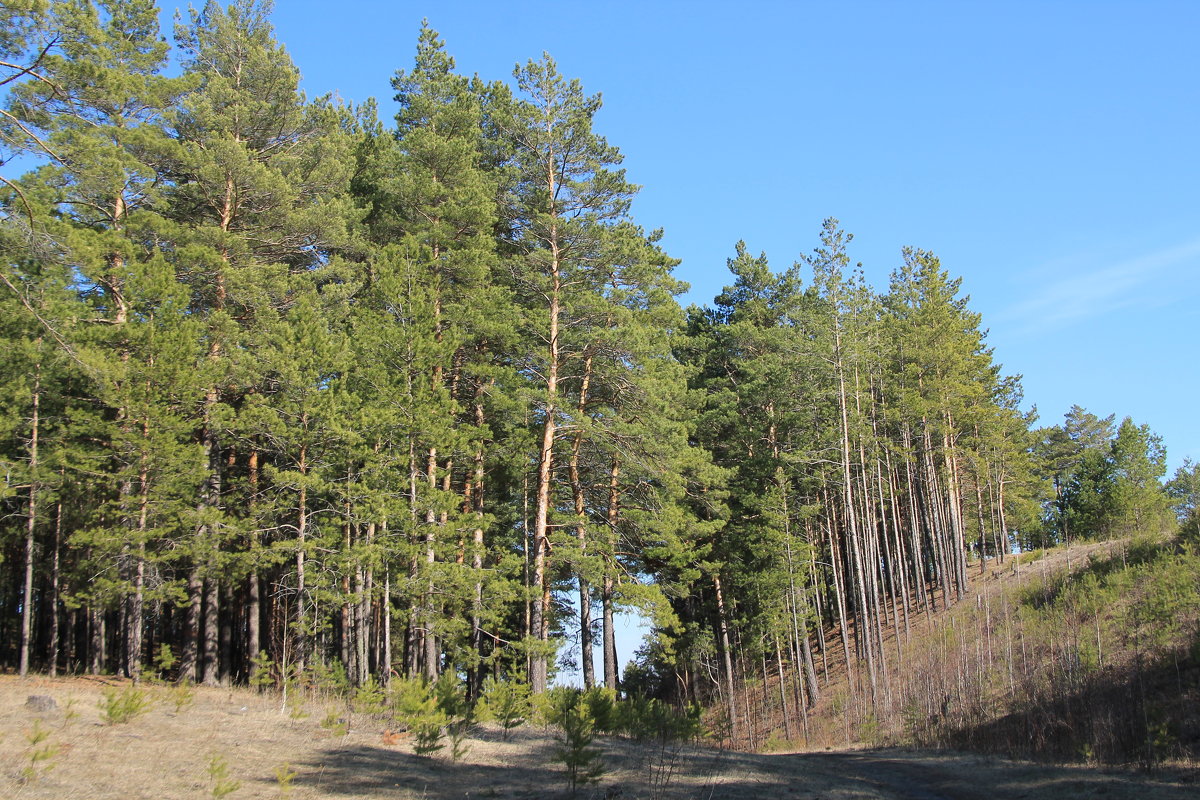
(298, 632)
(783, 700)
(211, 638)
(188, 656)
(585, 593)
(99, 643)
(607, 591)
(727, 657)
(430, 661)
(31, 520)
(475, 678)
(55, 577)
(253, 588)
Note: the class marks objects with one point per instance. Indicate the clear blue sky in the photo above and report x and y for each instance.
(1048, 152)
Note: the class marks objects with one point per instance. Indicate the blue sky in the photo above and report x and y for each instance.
(1048, 152)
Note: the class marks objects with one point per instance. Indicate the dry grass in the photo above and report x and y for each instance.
(169, 754)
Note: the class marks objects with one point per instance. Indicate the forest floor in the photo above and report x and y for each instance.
(237, 742)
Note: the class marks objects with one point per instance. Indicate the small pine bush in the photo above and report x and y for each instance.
(369, 698)
(582, 761)
(221, 783)
(117, 708)
(507, 702)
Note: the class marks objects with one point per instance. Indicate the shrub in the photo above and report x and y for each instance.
(415, 707)
(41, 753)
(220, 782)
(582, 761)
(117, 708)
(369, 698)
(507, 702)
(262, 671)
(181, 695)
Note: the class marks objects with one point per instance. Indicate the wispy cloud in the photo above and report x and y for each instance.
(1058, 301)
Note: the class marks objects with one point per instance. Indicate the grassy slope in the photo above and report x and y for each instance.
(1087, 654)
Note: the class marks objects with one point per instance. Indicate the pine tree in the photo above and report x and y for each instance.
(259, 191)
(567, 197)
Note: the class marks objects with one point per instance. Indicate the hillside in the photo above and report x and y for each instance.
(1081, 654)
(238, 743)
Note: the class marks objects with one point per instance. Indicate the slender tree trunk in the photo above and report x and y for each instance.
(27, 603)
(298, 633)
(475, 680)
(783, 699)
(429, 654)
(55, 577)
(540, 621)
(585, 592)
(99, 640)
(137, 601)
(608, 589)
(253, 588)
(726, 656)
(188, 656)
(212, 629)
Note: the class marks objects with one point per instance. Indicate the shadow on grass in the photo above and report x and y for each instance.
(384, 772)
(925, 776)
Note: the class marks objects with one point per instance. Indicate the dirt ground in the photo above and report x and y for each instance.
(241, 741)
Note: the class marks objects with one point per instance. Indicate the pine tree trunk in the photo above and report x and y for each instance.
(429, 658)
(188, 656)
(253, 588)
(475, 681)
(585, 594)
(210, 658)
(27, 603)
(726, 656)
(607, 590)
(539, 621)
(299, 633)
(55, 578)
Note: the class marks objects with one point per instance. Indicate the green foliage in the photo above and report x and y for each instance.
(164, 659)
(419, 708)
(335, 722)
(263, 670)
(601, 703)
(456, 711)
(369, 698)
(220, 781)
(284, 778)
(181, 695)
(507, 702)
(649, 718)
(120, 707)
(329, 678)
(40, 753)
(572, 716)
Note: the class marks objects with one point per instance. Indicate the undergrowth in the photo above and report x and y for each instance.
(1099, 664)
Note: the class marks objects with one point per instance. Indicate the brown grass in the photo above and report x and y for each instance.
(165, 754)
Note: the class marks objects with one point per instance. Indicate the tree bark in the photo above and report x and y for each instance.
(27, 603)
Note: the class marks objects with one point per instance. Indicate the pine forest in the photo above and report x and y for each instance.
(292, 393)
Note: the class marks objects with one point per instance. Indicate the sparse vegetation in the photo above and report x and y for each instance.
(507, 702)
(121, 706)
(287, 758)
(181, 695)
(571, 713)
(39, 754)
(220, 779)
(284, 779)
